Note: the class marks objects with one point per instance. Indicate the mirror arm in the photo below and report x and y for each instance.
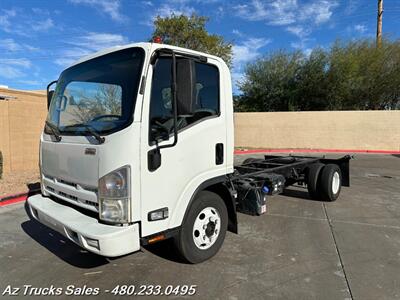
(174, 103)
(50, 84)
(48, 92)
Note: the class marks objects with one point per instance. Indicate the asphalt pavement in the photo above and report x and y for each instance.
(300, 249)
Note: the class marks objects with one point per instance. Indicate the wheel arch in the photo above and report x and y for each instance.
(219, 186)
(344, 165)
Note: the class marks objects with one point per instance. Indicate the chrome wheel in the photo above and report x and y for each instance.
(335, 182)
(206, 228)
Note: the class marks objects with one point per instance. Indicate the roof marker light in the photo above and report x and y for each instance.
(157, 39)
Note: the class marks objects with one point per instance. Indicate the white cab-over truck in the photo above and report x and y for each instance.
(138, 147)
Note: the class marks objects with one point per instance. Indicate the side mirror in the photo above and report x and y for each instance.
(50, 93)
(186, 86)
(153, 159)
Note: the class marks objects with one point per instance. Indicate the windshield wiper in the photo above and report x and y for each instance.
(54, 129)
(97, 136)
(91, 130)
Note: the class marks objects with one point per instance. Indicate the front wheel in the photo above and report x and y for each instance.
(204, 228)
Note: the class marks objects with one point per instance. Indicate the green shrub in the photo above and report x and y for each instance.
(349, 75)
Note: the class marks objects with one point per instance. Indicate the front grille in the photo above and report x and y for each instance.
(68, 196)
(68, 182)
(92, 204)
(85, 211)
(71, 192)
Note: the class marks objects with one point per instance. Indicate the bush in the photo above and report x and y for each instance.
(354, 75)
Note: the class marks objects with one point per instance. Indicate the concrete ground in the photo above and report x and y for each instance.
(300, 249)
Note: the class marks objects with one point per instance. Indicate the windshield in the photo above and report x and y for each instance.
(98, 94)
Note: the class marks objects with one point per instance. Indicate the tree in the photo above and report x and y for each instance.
(353, 75)
(311, 82)
(362, 76)
(190, 32)
(270, 83)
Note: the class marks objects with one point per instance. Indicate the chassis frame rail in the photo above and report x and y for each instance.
(292, 167)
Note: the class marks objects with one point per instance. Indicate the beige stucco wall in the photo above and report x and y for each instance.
(4, 135)
(21, 122)
(347, 130)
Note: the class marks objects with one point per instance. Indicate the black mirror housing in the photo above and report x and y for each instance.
(185, 86)
(153, 159)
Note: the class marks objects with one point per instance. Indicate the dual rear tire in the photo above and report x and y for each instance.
(324, 182)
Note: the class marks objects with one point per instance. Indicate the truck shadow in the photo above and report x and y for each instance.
(165, 250)
(78, 257)
(61, 246)
(299, 193)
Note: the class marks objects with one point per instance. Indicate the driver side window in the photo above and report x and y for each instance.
(161, 110)
(161, 113)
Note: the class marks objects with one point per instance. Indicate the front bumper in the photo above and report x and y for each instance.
(81, 229)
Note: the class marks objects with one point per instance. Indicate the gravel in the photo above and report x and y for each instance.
(19, 182)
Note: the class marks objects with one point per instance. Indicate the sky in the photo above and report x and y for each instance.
(38, 38)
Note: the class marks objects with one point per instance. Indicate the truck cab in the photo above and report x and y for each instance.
(137, 147)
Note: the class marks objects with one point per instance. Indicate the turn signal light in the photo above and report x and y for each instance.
(156, 239)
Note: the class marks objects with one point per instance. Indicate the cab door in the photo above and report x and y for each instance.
(200, 151)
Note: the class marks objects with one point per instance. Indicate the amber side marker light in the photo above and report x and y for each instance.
(156, 239)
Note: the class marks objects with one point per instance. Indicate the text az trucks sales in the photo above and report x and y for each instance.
(138, 147)
(70, 290)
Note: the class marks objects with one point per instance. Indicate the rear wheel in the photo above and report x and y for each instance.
(313, 182)
(331, 182)
(204, 228)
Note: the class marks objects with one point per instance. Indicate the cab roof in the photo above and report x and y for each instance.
(147, 47)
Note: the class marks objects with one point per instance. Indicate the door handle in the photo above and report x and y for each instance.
(219, 154)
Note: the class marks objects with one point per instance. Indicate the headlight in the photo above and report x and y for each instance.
(115, 196)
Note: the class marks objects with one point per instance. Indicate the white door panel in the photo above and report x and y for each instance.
(183, 167)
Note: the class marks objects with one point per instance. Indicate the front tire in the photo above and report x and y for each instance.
(203, 230)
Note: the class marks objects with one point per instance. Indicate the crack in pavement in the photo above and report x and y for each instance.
(338, 252)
